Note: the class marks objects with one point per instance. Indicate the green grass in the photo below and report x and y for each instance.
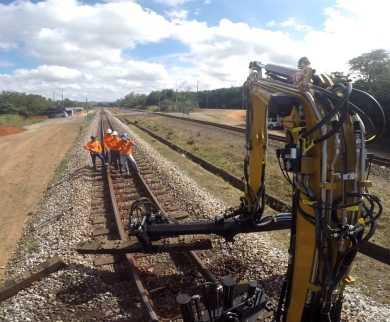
(17, 120)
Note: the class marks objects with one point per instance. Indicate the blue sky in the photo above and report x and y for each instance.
(106, 49)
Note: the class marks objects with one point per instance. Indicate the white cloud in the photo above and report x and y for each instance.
(177, 14)
(350, 29)
(290, 23)
(49, 73)
(171, 3)
(71, 28)
(81, 47)
(67, 36)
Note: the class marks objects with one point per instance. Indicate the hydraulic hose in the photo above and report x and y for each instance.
(380, 133)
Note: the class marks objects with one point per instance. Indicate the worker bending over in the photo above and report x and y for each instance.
(114, 150)
(95, 150)
(126, 148)
(106, 141)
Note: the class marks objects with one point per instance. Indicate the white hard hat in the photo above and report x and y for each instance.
(109, 131)
(115, 133)
(124, 136)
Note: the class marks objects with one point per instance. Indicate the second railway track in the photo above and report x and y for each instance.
(158, 278)
(374, 158)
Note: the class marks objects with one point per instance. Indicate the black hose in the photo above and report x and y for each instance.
(381, 112)
(338, 108)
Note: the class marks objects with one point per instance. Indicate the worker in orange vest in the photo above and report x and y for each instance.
(114, 149)
(106, 142)
(95, 150)
(126, 149)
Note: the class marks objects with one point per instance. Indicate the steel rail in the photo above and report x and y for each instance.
(270, 200)
(368, 248)
(193, 257)
(143, 292)
(374, 158)
(192, 254)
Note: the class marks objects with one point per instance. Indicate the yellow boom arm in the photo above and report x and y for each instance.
(325, 161)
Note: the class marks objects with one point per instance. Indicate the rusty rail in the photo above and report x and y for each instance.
(194, 258)
(368, 248)
(238, 183)
(143, 292)
(375, 159)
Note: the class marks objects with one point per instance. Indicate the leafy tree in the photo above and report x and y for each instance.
(371, 67)
(373, 72)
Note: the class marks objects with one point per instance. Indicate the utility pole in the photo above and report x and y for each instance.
(175, 97)
(242, 97)
(86, 104)
(62, 97)
(197, 93)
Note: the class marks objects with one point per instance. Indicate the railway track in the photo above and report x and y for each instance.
(375, 159)
(369, 249)
(158, 278)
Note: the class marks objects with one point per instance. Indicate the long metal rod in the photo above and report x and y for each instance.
(236, 182)
(143, 292)
(194, 257)
(192, 254)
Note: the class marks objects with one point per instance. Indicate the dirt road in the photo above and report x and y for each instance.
(27, 164)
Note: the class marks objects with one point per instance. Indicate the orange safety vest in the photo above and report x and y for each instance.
(114, 143)
(126, 147)
(107, 139)
(93, 146)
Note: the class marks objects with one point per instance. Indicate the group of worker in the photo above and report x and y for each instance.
(118, 151)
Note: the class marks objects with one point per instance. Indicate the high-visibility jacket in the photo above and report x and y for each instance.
(106, 140)
(126, 147)
(94, 146)
(114, 144)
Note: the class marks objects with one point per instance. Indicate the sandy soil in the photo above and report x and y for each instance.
(8, 130)
(224, 116)
(27, 163)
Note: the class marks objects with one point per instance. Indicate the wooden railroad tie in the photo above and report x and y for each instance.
(22, 281)
(116, 247)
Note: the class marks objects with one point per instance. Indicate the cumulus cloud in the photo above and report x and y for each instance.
(171, 3)
(290, 23)
(177, 14)
(86, 48)
(89, 32)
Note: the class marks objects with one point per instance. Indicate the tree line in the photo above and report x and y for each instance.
(168, 100)
(30, 104)
(370, 72)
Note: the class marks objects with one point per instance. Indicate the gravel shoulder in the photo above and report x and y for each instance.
(81, 292)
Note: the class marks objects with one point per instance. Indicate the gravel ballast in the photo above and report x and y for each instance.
(264, 261)
(79, 293)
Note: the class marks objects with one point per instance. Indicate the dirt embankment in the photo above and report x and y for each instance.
(8, 130)
(27, 163)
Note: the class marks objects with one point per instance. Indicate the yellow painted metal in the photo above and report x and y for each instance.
(305, 234)
(258, 114)
(322, 167)
(305, 244)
